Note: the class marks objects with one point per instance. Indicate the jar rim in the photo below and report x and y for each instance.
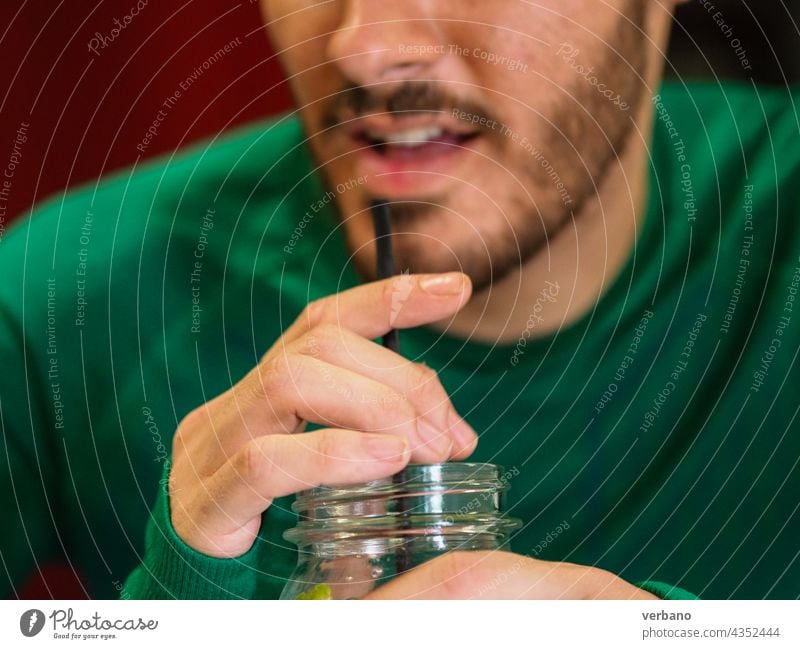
(452, 500)
(479, 475)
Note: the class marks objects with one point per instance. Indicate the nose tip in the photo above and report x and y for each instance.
(371, 49)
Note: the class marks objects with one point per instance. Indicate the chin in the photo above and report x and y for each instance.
(421, 254)
(437, 237)
(483, 264)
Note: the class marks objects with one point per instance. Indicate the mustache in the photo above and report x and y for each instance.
(410, 97)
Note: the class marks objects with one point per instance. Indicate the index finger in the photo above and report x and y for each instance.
(399, 302)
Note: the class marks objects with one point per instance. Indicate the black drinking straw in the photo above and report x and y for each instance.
(381, 220)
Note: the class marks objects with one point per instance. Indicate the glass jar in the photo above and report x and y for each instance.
(353, 539)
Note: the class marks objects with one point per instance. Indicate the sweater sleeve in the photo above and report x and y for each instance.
(170, 569)
(665, 591)
(27, 465)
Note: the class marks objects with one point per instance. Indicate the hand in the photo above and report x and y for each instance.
(233, 455)
(503, 575)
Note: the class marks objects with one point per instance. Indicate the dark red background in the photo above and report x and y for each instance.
(87, 112)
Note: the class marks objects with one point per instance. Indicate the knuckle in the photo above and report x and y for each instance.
(192, 421)
(254, 463)
(328, 449)
(425, 376)
(189, 428)
(273, 377)
(179, 440)
(324, 339)
(316, 312)
(425, 385)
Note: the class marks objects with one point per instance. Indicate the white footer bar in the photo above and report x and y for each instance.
(386, 625)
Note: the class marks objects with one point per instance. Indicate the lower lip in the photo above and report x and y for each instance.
(412, 171)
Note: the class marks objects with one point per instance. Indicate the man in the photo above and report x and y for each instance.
(601, 298)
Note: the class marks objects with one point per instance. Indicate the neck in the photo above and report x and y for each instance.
(564, 281)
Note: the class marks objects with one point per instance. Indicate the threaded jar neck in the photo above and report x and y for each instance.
(426, 507)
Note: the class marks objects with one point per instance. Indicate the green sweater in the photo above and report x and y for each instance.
(657, 437)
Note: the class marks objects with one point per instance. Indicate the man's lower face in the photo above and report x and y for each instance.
(437, 236)
(483, 206)
(478, 179)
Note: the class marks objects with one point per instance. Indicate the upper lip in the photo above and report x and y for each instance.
(384, 126)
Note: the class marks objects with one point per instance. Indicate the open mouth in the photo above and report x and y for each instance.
(411, 157)
(413, 143)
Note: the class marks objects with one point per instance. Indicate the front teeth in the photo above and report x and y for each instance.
(410, 138)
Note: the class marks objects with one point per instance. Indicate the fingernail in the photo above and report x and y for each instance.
(385, 447)
(447, 284)
(463, 434)
(434, 438)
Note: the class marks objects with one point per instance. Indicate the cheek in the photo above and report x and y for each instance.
(518, 49)
(513, 62)
(298, 32)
